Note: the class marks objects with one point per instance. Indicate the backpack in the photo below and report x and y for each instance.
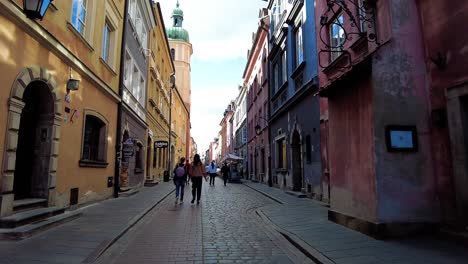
(180, 172)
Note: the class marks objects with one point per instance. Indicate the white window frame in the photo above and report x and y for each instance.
(336, 52)
(77, 21)
(299, 39)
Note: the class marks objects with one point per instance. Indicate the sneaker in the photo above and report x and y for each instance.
(192, 201)
(198, 202)
(181, 201)
(176, 200)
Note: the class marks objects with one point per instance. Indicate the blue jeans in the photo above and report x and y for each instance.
(180, 187)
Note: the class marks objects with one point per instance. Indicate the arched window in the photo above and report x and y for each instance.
(94, 140)
(173, 54)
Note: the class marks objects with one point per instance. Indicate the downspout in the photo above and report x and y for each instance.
(118, 145)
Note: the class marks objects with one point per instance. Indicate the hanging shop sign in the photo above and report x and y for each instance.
(128, 148)
(161, 144)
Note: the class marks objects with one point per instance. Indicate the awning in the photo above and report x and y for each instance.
(231, 158)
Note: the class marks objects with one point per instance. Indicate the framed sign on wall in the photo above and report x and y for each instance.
(401, 138)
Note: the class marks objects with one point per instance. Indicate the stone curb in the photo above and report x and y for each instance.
(107, 244)
(265, 194)
(300, 244)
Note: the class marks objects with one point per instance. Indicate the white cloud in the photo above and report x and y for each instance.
(208, 105)
(218, 29)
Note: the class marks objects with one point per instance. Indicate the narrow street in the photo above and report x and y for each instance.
(224, 228)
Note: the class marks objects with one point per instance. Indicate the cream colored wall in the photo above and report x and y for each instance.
(92, 95)
(182, 65)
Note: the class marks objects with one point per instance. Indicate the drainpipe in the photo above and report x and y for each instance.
(118, 141)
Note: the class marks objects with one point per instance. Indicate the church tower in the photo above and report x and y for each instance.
(181, 52)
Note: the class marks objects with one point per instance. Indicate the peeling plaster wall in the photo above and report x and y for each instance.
(405, 181)
(441, 20)
(352, 168)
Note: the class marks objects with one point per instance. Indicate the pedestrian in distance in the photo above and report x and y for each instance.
(197, 172)
(213, 172)
(180, 177)
(225, 172)
(187, 169)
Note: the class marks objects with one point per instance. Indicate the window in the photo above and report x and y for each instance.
(134, 88)
(79, 12)
(94, 139)
(299, 46)
(275, 77)
(173, 54)
(284, 67)
(362, 15)
(128, 70)
(281, 151)
(138, 24)
(107, 37)
(308, 150)
(276, 11)
(337, 37)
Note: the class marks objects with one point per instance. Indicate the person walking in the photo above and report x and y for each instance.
(187, 170)
(180, 177)
(225, 172)
(197, 172)
(213, 172)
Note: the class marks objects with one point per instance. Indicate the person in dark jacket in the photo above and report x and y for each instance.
(180, 177)
(225, 172)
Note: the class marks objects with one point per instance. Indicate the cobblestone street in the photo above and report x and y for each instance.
(222, 229)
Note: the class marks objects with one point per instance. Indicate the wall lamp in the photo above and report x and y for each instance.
(35, 9)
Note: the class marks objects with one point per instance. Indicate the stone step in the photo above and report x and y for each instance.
(25, 204)
(30, 216)
(28, 230)
(150, 183)
(297, 194)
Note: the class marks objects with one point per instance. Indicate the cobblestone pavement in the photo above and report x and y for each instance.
(224, 228)
(82, 239)
(307, 220)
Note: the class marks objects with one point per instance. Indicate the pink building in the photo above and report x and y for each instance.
(256, 79)
(446, 59)
(372, 71)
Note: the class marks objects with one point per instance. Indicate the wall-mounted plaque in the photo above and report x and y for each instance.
(401, 138)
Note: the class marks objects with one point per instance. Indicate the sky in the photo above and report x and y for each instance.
(221, 33)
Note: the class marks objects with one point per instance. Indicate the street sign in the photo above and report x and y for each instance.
(161, 144)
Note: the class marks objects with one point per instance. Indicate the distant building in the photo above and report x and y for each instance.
(181, 52)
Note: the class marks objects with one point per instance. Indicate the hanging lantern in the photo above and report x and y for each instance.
(35, 9)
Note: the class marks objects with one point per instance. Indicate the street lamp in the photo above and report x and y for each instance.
(35, 9)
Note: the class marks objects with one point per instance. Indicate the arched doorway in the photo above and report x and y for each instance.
(296, 161)
(33, 152)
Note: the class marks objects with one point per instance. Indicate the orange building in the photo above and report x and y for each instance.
(58, 145)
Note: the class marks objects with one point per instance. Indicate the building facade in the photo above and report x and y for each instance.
(373, 75)
(256, 80)
(179, 119)
(160, 68)
(181, 51)
(294, 110)
(138, 25)
(240, 130)
(448, 83)
(58, 144)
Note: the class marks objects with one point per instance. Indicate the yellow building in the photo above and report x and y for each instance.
(58, 146)
(179, 119)
(161, 68)
(181, 51)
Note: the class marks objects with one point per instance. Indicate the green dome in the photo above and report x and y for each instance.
(177, 33)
